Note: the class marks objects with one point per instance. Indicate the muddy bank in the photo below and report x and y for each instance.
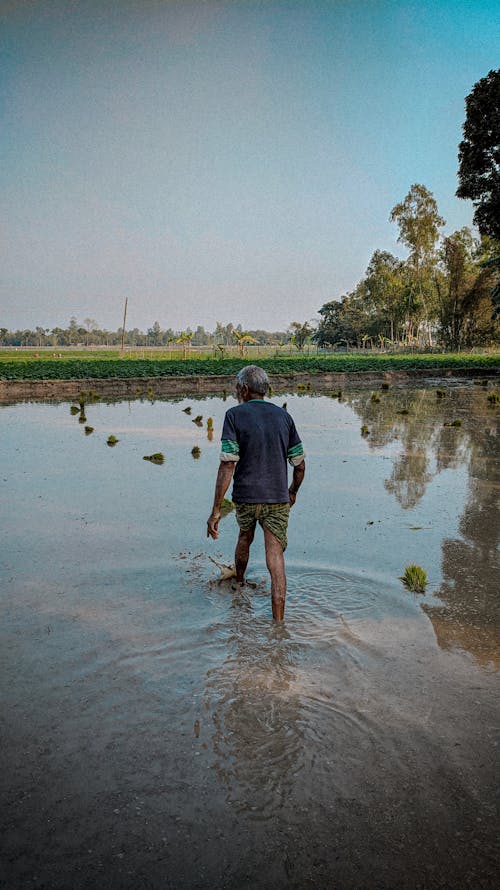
(11, 390)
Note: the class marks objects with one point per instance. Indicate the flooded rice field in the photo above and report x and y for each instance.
(159, 731)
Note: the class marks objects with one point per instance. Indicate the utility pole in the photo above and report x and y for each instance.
(124, 320)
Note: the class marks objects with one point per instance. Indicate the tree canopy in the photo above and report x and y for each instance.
(479, 154)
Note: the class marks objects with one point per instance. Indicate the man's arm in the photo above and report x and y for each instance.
(298, 476)
(223, 481)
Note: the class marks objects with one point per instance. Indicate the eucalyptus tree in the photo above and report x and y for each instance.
(418, 220)
(385, 286)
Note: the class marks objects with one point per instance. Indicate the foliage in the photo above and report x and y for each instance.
(479, 154)
(156, 458)
(414, 578)
(74, 369)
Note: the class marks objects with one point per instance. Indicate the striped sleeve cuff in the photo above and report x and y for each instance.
(230, 451)
(296, 454)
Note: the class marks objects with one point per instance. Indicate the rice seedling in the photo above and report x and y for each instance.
(494, 398)
(414, 578)
(375, 397)
(156, 458)
(88, 430)
(364, 430)
(112, 441)
(440, 393)
(196, 451)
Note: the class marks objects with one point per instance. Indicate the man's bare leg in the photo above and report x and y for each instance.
(275, 562)
(242, 553)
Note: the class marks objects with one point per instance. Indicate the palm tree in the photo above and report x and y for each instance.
(243, 338)
(185, 338)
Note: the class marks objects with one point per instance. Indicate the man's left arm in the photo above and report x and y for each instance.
(298, 476)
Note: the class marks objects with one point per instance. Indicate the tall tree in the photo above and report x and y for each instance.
(479, 154)
(419, 222)
(385, 288)
(300, 333)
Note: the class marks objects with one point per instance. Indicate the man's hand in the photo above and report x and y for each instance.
(293, 496)
(213, 524)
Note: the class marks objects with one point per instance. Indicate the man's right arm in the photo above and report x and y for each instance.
(223, 481)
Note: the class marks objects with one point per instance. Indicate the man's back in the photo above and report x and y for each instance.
(263, 437)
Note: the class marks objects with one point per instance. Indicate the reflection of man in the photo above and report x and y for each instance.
(257, 440)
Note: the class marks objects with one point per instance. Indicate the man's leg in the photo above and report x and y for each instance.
(242, 552)
(275, 562)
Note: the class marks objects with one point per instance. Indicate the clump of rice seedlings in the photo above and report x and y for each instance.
(150, 394)
(385, 386)
(309, 386)
(156, 458)
(403, 411)
(414, 578)
(375, 397)
(81, 402)
(198, 420)
(187, 410)
(94, 396)
(111, 441)
(74, 409)
(440, 393)
(284, 406)
(196, 451)
(210, 423)
(82, 418)
(226, 507)
(494, 398)
(301, 387)
(364, 430)
(224, 395)
(89, 430)
(138, 391)
(453, 423)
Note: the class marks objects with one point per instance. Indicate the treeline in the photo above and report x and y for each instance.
(441, 294)
(89, 333)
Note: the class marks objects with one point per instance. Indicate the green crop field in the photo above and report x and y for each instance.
(73, 365)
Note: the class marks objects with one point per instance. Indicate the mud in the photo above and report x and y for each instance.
(13, 390)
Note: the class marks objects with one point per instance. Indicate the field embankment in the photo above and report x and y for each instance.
(66, 377)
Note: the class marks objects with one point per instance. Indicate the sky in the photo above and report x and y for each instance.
(226, 160)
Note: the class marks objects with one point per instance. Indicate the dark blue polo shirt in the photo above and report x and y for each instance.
(260, 438)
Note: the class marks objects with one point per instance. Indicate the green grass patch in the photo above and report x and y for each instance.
(94, 368)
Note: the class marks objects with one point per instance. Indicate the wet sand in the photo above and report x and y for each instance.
(159, 731)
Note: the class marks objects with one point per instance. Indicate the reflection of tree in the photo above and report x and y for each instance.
(418, 433)
(470, 616)
(255, 713)
(409, 478)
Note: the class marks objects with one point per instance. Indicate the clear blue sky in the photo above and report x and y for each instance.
(221, 161)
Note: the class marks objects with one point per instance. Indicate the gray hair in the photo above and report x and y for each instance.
(255, 378)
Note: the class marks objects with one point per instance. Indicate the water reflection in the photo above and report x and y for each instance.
(469, 618)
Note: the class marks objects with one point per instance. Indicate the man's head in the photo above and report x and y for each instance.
(251, 381)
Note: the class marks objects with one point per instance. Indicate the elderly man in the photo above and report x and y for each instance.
(258, 439)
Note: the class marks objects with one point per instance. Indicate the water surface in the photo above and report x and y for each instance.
(161, 731)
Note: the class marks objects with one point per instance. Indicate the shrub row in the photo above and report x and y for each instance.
(102, 369)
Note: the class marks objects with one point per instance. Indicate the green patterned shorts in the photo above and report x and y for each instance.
(274, 517)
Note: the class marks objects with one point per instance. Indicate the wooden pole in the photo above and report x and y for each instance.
(124, 320)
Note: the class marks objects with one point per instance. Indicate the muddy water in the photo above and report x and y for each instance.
(159, 730)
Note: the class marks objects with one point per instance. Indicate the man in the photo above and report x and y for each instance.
(258, 439)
